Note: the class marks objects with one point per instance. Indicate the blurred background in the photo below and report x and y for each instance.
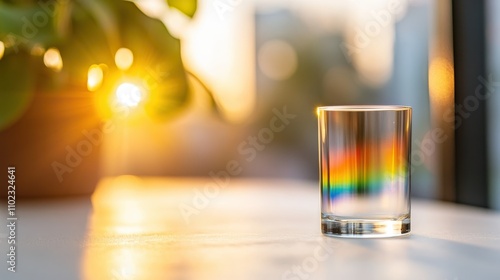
(257, 56)
(270, 63)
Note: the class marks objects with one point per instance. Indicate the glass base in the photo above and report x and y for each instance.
(365, 228)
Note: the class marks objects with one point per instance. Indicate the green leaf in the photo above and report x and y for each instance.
(188, 7)
(28, 25)
(62, 17)
(103, 14)
(17, 85)
(87, 43)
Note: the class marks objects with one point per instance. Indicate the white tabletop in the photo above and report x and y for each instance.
(133, 228)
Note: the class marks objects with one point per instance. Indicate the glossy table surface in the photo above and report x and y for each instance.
(161, 228)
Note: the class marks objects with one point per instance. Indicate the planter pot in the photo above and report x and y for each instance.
(54, 146)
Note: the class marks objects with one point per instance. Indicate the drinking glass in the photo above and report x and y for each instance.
(364, 158)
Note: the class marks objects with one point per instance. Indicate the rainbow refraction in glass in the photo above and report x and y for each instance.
(364, 168)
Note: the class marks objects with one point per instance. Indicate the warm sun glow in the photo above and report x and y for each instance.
(94, 77)
(124, 58)
(2, 49)
(53, 60)
(129, 94)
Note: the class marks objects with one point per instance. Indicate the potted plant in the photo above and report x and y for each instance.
(66, 65)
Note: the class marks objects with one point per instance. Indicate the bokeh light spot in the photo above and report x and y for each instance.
(53, 60)
(277, 59)
(94, 77)
(441, 79)
(124, 58)
(2, 49)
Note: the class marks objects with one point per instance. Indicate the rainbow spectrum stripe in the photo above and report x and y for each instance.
(364, 168)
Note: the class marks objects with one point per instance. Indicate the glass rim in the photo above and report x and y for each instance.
(363, 108)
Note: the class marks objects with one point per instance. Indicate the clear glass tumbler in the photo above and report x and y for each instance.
(364, 163)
